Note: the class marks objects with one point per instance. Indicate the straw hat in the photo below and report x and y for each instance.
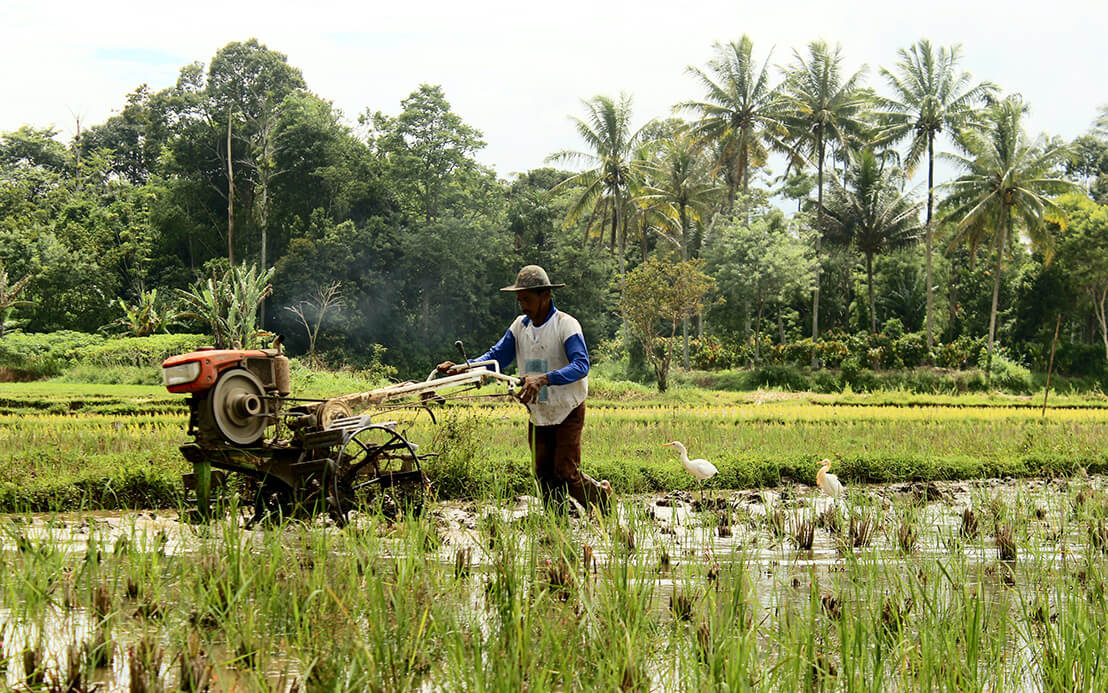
(532, 278)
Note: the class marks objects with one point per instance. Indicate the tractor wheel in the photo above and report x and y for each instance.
(378, 471)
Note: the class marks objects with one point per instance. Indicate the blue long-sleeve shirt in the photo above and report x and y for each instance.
(504, 353)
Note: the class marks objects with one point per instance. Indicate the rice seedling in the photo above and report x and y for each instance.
(34, 672)
(777, 523)
(804, 532)
(73, 678)
(907, 537)
(969, 524)
(829, 520)
(862, 529)
(681, 605)
(1006, 547)
(144, 665)
(1098, 535)
(664, 561)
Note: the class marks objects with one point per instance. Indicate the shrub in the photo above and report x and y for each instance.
(43, 355)
(850, 369)
(141, 352)
(959, 354)
(910, 349)
(832, 349)
(798, 352)
(826, 382)
(781, 377)
(893, 328)
(1006, 374)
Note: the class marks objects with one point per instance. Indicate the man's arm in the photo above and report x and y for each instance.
(578, 367)
(503, 352)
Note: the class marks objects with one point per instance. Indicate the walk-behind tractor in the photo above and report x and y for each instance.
(300, 456)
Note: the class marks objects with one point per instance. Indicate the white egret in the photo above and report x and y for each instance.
(828, 483)
(701, 469)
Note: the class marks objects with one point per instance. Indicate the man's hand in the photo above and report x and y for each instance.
(444, 367)
(530, 386)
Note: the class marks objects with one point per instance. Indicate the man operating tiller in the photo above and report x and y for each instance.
(554, 367)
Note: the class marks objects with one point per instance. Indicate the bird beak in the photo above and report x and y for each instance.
(667, 445)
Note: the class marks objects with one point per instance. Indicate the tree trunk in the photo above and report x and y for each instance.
(781, 322)
(230, 195)
(425, 307)
(1003, 233)
(745, 167)
(263, 225)
(1101, 314)
(622, 242)
(731, 168)
(661, 366)
(819, 245)
(928, 235)
(684, 256)
(77, 160)
(872, 308)
(746, 325)
(758, 334)
(615, 222)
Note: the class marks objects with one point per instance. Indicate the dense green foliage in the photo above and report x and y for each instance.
(240, 165)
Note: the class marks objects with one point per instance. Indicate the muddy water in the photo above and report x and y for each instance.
(694, 537)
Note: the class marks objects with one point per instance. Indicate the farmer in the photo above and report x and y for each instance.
(554, 367)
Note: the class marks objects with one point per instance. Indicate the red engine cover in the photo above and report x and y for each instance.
(212, 363)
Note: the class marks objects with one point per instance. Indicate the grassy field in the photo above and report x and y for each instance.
(967, 586)
(65, 446)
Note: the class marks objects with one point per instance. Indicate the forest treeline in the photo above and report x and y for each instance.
(389, 221)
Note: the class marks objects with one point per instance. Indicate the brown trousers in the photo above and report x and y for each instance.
(557, 454)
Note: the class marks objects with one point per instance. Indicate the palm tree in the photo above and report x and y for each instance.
(873, 216)
(679, 179)
(605, 185)
(681, 182)
(822, 109)
(1100, 125)
(740, 111)
(1008, 181)
(929, 95)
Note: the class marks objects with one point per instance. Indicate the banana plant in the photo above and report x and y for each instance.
(229, 303)
(146, 315)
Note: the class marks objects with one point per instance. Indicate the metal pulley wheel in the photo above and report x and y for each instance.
(329, 411)
(239, 407)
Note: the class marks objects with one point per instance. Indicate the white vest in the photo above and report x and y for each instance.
(540, 350)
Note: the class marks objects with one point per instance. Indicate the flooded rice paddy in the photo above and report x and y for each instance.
(995, 585)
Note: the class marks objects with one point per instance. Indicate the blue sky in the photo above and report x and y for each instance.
(517, 71)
